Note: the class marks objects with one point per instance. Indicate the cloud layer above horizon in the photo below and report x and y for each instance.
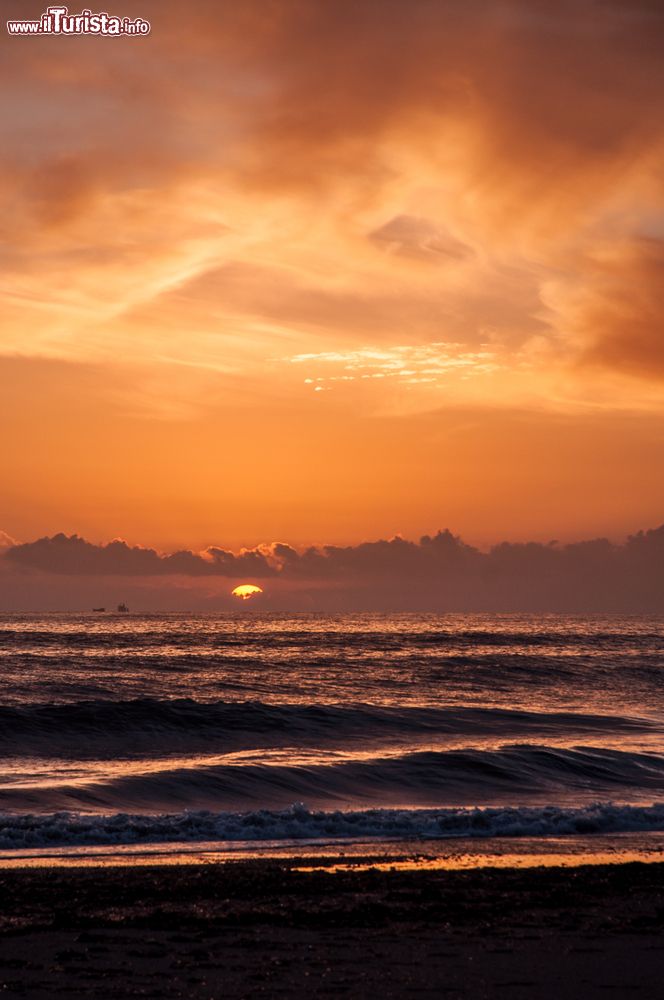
(439, 572)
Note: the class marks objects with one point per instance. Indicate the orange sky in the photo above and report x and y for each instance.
(327, 271)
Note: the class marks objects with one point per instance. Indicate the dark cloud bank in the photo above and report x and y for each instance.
(439, 573)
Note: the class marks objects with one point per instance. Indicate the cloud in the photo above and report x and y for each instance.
(419, 239)
(320, 159)
(438, 572)
(6, 541)
(407, 364)
(539, 108)
(613, 308)
(72, 555)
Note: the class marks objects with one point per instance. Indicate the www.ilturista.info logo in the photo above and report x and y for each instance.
(58, 21)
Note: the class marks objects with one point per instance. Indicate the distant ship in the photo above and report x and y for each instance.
(99, 609)
(123, 607)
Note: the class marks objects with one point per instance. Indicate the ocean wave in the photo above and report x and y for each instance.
(142, 726)
(219, 635)
(298, 823)
(514, 773)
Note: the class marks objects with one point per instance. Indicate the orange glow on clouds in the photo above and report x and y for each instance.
(411, 253)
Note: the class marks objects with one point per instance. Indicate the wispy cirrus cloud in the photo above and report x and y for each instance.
(410, 365)
(439, 190)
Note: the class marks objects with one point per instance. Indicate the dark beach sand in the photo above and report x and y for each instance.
(263, 929)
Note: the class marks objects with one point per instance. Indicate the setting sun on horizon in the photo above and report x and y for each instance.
(246, 591)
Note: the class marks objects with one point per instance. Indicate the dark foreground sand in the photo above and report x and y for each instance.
(262, 929)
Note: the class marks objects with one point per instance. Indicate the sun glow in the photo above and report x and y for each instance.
(245, 591)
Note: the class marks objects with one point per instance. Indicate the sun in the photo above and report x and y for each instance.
(245, 591)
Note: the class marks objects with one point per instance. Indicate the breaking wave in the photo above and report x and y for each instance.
(298, 823)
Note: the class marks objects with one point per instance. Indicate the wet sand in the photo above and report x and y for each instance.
(266, 928)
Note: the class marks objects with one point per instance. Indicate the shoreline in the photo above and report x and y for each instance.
(444, 853)
(248, 928)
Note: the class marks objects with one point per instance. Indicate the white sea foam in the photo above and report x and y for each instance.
(300, 823)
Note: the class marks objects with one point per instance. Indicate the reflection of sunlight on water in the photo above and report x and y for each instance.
(533, 662)
(342, 856)
(34, 772)
(472, 861)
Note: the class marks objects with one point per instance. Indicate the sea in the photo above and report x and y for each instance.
(157, 736)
